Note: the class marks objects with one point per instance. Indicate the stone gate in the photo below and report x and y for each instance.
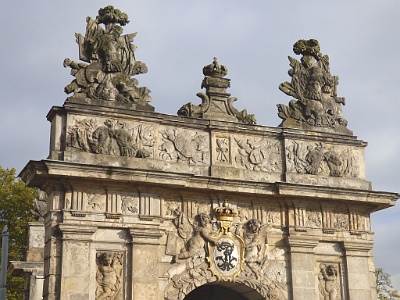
(206, 204)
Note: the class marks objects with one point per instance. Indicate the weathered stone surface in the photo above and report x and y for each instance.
(216, 103)
(149, 141)
(109, 63)
(316, 105)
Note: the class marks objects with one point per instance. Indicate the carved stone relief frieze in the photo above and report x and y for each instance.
(187, 147)
(335, 221)
(273, 216)
(96, 202)
(359, 222)
(307, 218)
(321, 159)
(172, 208)
(129, 204)
(110, 275)
(111, 137)
(341, 221)
(259, 154)
(223, 147)
(329, 281)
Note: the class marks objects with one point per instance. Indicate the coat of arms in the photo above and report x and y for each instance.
(226, 251)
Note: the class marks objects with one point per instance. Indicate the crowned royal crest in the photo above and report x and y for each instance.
(226, 252)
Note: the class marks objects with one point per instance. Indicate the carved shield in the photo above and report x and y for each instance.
(226, 256)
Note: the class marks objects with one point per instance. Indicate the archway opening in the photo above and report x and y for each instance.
(224, 291)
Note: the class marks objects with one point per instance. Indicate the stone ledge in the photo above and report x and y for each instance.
(55, 171)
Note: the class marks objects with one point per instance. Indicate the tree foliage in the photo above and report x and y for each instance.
(16, 204)
(384, 286)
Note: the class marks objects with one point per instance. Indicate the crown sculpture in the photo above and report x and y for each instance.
(216, 102)
(316, 105)
(109, 64)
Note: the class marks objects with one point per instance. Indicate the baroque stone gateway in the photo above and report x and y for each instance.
(203, 205)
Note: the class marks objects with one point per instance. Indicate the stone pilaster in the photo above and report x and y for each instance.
(76, 246)
(145, 248)
(357, 255)
(302, 267)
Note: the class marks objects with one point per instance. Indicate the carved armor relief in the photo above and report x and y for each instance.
(190, 147)
(130, 204)
(258, 154)
(111, 137)
(222, 150)
(96, 202)
(110, 275)
(321, 159)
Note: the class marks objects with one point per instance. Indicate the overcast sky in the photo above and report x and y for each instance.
(251, 38)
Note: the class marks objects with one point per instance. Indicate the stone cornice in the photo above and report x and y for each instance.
(52, 172)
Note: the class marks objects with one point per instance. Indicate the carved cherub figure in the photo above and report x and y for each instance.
(202, 234)
(330, 289)
(107, 276)
(255, 245)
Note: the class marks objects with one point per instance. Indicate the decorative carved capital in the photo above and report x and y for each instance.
(145, 234)
(77, 232)
(358, 248)
(302, 244)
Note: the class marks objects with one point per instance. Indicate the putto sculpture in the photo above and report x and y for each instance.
(316, 105)
(109, 64)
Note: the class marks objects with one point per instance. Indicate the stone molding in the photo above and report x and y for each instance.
(77, 232)
(361, 248)
(145, 234)
(302, 244)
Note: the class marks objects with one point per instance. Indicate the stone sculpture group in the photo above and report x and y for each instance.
(135, 197)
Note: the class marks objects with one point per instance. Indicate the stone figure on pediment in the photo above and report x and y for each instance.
(315, 104)
(110, 62)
